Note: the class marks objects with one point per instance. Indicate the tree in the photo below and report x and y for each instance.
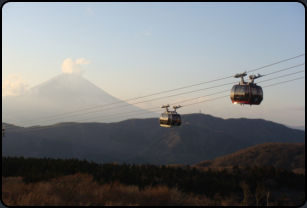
(246, 192)
(236, 169)
(260, 192)
(267, 196)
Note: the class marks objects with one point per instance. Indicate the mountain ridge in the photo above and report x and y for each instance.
(144, 141)
(297, 127)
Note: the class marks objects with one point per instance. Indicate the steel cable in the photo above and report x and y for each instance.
(159, 92)
(39, 128)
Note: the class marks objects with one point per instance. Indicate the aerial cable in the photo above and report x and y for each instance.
(276, 63)
(169, 96)
(284, 69)
(228, 89)
(46, 127)
(159, 92)
(123, 101)
(283, 82)
(262, 87)
(39, 128)
(163, 97)
(282, 76)
(228, 94)
(141, 110)
(137, 102)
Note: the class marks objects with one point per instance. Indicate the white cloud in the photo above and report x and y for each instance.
(89, 11)
(14, 85)
(82, 61)
(74, 67)
(144, 32)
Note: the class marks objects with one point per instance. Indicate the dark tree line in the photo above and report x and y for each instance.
(189, 180)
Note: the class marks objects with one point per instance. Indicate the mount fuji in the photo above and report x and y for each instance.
(63, 94)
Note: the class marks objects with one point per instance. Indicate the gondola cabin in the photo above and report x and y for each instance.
(170, 118)
(246, 93)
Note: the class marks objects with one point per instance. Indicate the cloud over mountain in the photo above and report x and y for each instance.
(74, 67)
(14, 85)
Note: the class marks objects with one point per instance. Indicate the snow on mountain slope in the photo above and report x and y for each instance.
(80, 90)
(61, 94)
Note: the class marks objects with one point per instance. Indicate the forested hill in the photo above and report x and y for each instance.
(200, 137)
(279, 155)
(190, 180)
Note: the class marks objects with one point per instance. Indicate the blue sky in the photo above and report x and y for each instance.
(135, 49)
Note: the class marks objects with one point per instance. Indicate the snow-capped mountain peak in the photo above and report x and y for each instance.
(62, 94)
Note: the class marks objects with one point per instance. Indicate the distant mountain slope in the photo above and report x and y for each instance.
(201, 137)
(190, 143)
(62, 94)
(79, 90)
(280, 155)
(255, 131)
(297, 127)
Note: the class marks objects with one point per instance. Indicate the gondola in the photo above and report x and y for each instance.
(170, 118)
(246, 93)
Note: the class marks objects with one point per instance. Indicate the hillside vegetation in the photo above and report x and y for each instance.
(279, 155)
(140, 141)
(149, 179)
(82, 190)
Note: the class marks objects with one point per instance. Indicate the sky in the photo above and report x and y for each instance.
(135, 49)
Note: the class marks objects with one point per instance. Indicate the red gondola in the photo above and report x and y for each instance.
(246, 93)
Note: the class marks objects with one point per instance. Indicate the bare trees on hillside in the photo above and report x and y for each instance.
(260, 192)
